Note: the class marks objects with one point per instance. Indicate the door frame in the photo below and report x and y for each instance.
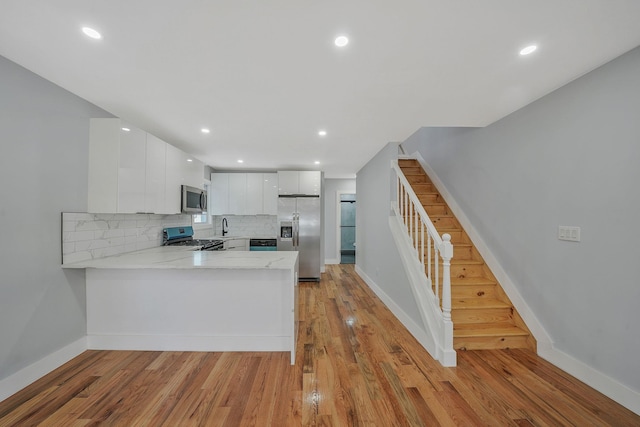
(338, 221)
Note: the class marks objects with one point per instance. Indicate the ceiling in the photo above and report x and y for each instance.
(265, 76)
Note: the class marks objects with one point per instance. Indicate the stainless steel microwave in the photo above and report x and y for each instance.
(194, 200)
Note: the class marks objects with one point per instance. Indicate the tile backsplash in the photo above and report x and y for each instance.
(247, 225)
(91, 236)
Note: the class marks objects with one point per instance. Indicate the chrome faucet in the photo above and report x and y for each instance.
(225, 224)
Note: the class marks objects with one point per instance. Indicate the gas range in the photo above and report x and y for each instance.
(183, 236)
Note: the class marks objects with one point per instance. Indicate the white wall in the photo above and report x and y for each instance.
(571, 158)
(332, 187)
(44, 132)
(377, 256)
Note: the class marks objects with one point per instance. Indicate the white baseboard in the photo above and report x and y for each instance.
(332, 261)
(16, 382)
(611, 388)
(188, 343)
(416, 330)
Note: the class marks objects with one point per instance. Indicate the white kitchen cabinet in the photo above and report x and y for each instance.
(132, 170)
(193, 172)
(173, 179)
(270, 193)
(244, 193)
(155, 174)
(241, 244)
(104, 155)
(309, 182)
(219, 194)
(288, 182)
(299, 182)
(237, 193)
(253, 197)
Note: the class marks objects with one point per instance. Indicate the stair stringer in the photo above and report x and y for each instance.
(543, 340)
(437, 330)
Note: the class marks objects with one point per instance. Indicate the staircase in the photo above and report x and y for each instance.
(483, 317)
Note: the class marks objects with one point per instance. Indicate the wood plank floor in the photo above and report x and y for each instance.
(356, 366)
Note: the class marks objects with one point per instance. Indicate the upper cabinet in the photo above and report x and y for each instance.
(243, 194)
(299, 182)
(270, 193)
(132, 171)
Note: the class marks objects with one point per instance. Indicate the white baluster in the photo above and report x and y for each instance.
(429, 256)
(436, 260)
(447, 254)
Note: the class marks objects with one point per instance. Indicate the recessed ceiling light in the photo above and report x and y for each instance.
(205, 130)
(317, 162)
(90, 32)
(341, 41)
(240, 161)
(126, 129)
(322, 132)
(529, 49)
(189, 160)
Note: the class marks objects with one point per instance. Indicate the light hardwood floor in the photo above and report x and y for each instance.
(356, 366)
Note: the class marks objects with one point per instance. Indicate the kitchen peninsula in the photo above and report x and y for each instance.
(178, 299)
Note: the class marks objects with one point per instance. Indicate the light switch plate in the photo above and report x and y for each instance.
(571, 234)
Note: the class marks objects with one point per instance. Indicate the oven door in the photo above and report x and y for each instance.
(194, 200)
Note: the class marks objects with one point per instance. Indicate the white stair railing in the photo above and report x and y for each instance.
(434, 253)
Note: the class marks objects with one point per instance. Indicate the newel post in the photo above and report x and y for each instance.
(446, 253)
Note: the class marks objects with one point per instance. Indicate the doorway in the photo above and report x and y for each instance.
(347, 233)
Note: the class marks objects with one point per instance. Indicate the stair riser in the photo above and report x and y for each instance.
(408, 163)
(468, 291)
(412, 170)
(428, 199)
(424, 188)
(462, 270)
(445, 222)
(489, 343)
(484, 315)
(417, 179)
(463, 252)
(435, 210)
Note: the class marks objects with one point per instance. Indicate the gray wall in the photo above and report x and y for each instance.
(571, 158)
(376, 253)
(331, 188)
(44, 133)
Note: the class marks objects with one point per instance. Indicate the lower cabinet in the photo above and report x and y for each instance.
(236, 244)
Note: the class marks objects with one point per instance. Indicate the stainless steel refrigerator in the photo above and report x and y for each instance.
(299, 225)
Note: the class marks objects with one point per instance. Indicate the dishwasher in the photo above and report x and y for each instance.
(263, 245)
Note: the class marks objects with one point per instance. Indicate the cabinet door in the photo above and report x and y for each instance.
(237, 193)
(309, 182)
(270, 193)
(155, 175)
(194, 172)
(173, 180)
(131, 170)
(104, 146)
(288, 182)
(254, 194)
(219, 193)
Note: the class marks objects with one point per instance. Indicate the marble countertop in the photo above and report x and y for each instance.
(168, 257)
(239, 237)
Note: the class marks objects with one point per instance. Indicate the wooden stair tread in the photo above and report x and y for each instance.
(487, 330)
(477, 303)
(471, 281)
(456, 261)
